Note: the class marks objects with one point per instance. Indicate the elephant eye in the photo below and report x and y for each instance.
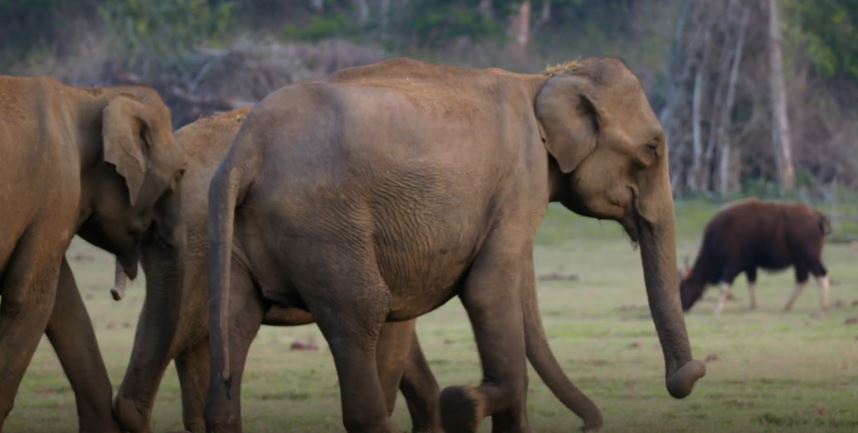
(652, 147)
(647, 154)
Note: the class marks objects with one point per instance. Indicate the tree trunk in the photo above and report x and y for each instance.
(725, 178)
(546, 12)
(696, 120)
(780, 121)
(486, 8)
(362, 12)
(519, 24)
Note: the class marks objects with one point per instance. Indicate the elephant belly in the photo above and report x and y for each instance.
(422, 280)
(424, 263)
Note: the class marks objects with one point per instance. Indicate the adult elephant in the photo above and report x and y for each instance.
(173, 323)
(101, 163)
(379, 193)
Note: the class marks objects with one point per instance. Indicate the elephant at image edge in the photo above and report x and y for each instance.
(100, 163)
(173, 323)
(379, 193)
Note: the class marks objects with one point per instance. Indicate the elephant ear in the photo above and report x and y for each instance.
(122, 129)
(569, 119)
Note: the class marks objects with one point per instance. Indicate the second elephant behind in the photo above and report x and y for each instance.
(174, 321)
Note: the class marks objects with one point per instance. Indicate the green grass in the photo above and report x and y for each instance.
(769, 371)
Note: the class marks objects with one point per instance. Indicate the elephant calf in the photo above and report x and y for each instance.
(754, 234)
(100, 163)
(378, 193)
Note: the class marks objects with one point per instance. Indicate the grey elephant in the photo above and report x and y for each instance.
(173, 323)
(100, 163)
(379, 193)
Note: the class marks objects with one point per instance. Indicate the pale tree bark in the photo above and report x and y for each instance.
(696, 133)
(486, 8)
(519, 24)
(384, 13)
(546, 12)
(726, 173)
(694, 175)
(362, 8)
(780, 121)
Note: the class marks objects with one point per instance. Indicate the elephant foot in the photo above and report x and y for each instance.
(221, 420)
(130, 415)
(461, 409)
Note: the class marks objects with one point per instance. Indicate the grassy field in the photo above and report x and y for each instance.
(768, 371)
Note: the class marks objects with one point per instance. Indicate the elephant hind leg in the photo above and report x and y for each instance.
(246, 310)
(193, 368)
(421, 391)
(394, 344)
(350, 304)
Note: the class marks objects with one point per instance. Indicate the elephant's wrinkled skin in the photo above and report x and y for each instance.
(379, 193)
(173, 323)
(101, 163)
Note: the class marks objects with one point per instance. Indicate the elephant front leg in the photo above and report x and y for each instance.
(492, 299)
(70, 333)
(193, 368)
(29, 285)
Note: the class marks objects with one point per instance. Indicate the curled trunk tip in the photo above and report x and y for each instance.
(681, 382)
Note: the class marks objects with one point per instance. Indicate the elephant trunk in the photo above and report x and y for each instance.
(163, 261)
(658, 254)
(120, 282)
(543, 361)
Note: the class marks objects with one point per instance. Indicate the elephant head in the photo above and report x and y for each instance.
(134, 188)
(609, 161)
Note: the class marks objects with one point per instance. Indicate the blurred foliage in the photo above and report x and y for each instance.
(28, 25)
(828, 31)
(147, 32)
(433, 23)
(320, 27)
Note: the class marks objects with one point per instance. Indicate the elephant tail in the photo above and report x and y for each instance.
(225, 190)
(543, 361)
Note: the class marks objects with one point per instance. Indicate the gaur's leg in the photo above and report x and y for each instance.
(246, 310)
(722, 297)
(800, 281)
(751, 275)
(822, 280)
(70, 333)
(824, 283)
(727, 276)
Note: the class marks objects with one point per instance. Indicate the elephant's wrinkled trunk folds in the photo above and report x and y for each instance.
(658, 254)
(163, 261)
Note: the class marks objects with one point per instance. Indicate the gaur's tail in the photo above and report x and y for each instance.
(825, 224)
(225, 190)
